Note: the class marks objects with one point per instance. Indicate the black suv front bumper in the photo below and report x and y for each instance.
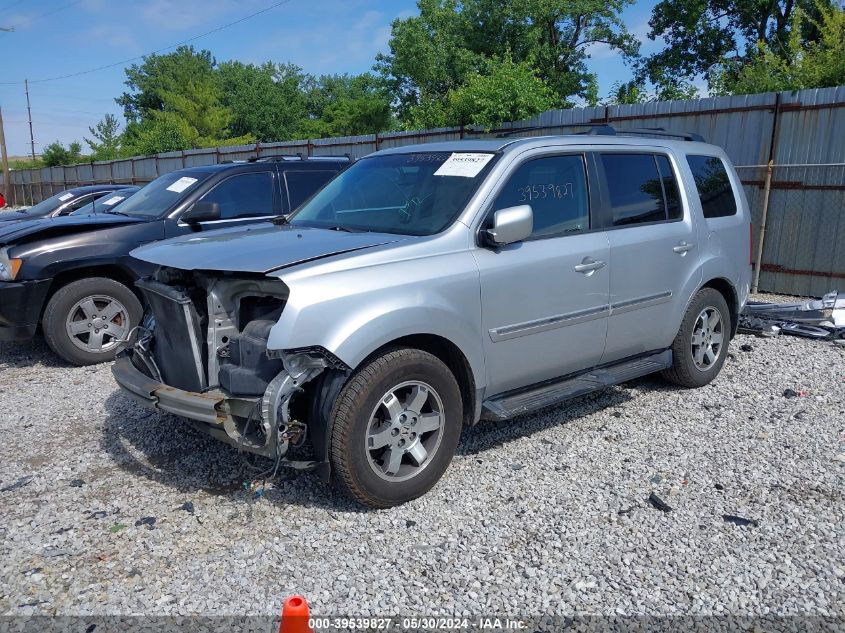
(21, 303)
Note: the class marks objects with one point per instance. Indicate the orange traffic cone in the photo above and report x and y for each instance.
(295, 616)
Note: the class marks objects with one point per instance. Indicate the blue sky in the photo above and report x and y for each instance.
(58, 37)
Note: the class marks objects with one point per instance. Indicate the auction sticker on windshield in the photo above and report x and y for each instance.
(66, 196)
(113, 200)
(463, 164)
(183, 183)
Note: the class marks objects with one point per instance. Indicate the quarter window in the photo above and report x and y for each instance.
(556, 189)
(642, 189)
(714, 186)
(243, 196)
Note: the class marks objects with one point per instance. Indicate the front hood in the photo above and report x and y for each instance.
(260, 248)
(16, 216)
(38, 228)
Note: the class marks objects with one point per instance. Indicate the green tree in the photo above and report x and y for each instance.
(267, 102)
(56, 154)
(346, 105)
(703, 37)
(160, 74)
(106, 142)
(508, 91)
(159, 132)
(798, 63)
(452, 41)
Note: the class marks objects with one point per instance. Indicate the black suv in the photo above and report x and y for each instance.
(73, 275)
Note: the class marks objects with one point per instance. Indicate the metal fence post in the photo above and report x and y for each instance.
(767, 188)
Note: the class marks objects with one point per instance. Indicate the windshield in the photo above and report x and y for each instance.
(50, 204)
(162, 193)
(410, 194)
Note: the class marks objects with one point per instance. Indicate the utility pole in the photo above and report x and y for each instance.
(7, 177)
(29, 112)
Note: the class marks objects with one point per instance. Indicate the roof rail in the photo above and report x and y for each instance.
(298, 156)
(608, 130)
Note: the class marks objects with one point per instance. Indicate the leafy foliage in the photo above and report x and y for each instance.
(507, 91)
(452, 41)
(106, 142)
(56, 154)
(712, 37)
(799, 64)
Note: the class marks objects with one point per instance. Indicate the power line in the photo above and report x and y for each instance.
(44, 15)
(158, 50)
(11, 4)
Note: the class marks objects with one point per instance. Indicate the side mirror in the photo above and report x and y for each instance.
(510, 225)
(202, 212)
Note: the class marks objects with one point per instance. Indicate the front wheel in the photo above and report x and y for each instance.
(395, 428)
(86, 321)
(700, 348)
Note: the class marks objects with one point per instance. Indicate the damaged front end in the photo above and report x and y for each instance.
(202, 353)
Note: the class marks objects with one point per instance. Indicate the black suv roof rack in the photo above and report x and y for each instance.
(609, 130)
(299, 156)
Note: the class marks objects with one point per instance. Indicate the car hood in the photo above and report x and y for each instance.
(29, 229)
(259, 248)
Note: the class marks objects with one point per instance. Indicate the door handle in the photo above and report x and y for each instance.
(683, 247)
(589, 265)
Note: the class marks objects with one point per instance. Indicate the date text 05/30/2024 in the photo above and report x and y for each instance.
(417, 624)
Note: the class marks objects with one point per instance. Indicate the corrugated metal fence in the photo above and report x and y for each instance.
(802, 133)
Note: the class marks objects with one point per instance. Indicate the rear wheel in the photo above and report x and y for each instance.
(86, 320)
(700, 348)
(396, 425)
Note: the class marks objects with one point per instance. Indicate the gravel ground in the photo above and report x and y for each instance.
(110, 509)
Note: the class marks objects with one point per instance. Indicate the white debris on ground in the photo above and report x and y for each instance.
(108, 508)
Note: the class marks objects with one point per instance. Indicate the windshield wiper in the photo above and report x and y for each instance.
(113, 212)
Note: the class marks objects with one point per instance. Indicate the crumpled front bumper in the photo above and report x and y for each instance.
(212, 412)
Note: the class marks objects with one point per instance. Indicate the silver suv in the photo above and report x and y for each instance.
(429, 287)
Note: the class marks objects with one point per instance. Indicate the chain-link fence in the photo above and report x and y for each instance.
(798, 213)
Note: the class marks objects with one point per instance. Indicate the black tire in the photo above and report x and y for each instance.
(64, 300)
(351, 415)
(684, 370)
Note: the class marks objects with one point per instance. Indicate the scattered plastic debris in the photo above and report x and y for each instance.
(658, 503)
(148, 521)
(719, 486)
(741, 521)
(410, 523)
(188, 507)
(99, 514)
(818, 318)
(77, 483)
(790, 393)
(745, 347)
(117, 527)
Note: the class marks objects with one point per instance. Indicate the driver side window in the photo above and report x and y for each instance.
(243, 196)
(556, 189)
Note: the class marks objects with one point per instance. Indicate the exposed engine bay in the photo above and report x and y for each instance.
(204, 341)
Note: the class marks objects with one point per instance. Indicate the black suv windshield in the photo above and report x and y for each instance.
(160, 195)
(51, 204)
(410, 194)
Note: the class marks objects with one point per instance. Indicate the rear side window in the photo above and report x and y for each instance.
(642, 188)
(302, 184)
(714, 186)
(556, 189)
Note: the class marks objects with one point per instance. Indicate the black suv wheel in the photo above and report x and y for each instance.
(86, 320)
